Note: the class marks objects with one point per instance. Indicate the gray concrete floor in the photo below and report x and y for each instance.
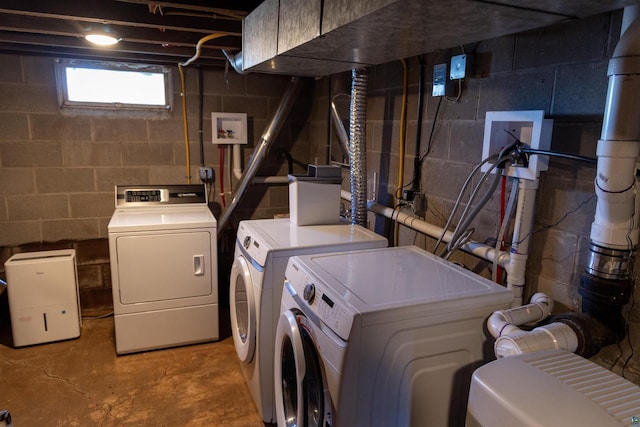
(82, 382)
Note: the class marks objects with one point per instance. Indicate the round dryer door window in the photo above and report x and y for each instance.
(243, 310)
(300, 391)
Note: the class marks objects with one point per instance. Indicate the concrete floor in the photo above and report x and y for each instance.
(82, 382)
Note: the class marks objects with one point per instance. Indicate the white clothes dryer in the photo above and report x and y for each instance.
(386, 337)
(263, 248)
(163, 251)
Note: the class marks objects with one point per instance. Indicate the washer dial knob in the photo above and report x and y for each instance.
(246, 242)
(309, 293)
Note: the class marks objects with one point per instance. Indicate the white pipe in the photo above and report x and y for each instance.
(505, 322)
(631, 13)
(511, 340)
(554, 336)
(523, 226)
(619, 147)
(237, 161)
(478, 249)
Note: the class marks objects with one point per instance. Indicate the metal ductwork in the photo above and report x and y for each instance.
(324, 37)
(235, 60)
(262, 149)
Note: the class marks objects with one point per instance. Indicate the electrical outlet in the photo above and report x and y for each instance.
(206, 174)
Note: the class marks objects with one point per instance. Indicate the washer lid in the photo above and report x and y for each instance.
(284, 234)
(402, 276)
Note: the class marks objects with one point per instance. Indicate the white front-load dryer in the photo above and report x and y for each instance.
(385, 337)
(263, 248)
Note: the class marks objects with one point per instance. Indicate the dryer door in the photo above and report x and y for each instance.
(301, 396)
(243, 309)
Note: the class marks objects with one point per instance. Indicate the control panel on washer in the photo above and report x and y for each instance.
(252, 246)
(317, 297)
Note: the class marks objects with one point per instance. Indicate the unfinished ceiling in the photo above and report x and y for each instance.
(150, 31)
(311, 37)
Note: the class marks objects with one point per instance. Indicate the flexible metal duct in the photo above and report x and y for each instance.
(262, 149)
(358, 146)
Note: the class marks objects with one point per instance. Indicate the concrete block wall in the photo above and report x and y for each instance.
(561, 70)
(58, 170)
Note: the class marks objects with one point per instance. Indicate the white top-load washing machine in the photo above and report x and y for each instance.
(386, 337)
(262, 250)
(163, 250)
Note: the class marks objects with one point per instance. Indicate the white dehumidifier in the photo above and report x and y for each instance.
(43, 296)
(552, 389)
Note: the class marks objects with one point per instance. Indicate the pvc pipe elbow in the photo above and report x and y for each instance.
(555, 336)
(505, 322)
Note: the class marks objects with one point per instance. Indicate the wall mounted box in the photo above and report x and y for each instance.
(528, 126)
(229, 128)
(43, 297)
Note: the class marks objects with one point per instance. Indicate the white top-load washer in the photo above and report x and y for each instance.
(262, 250)
(385, 337)
(163, 250)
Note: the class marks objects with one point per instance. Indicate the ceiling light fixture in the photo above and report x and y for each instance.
(101, 37)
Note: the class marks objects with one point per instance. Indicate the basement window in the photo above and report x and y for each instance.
(112, 86)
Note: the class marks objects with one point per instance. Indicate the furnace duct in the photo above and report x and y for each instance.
(358, 146)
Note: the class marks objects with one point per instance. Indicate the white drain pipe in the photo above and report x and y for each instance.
(505, 322)
(511, 340)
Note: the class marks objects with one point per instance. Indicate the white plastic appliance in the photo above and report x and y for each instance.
(385, 337)
(262, 250)
(44, 303)
(550, 388)
(163, 250)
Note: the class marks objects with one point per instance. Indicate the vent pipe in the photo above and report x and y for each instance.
(358, 146)
(262, 149)
(607, 284)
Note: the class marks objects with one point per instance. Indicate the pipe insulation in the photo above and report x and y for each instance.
(358, 146)
(262, 149)
(618, 148)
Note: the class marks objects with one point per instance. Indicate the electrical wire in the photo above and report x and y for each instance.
(185, 126)
(102, 316)
(403, 126)
(433, 127)
(633, 286)
(221, 172)
(183, 94)
(557, 222)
